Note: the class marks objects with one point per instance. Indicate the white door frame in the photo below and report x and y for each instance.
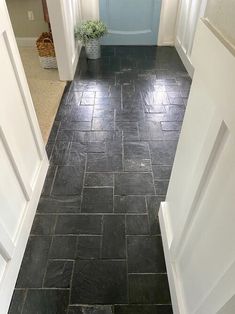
(64, 16)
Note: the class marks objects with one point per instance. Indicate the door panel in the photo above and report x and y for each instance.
(131, 22)
(21, 140)
(23, 160)
(14, 205)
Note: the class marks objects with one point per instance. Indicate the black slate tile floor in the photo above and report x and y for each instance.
(95, 245)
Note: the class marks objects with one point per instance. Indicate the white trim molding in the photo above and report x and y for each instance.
(184, 57)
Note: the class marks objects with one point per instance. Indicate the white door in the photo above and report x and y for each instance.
(198, 217)
(23, 160)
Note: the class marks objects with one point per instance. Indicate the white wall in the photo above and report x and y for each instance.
(18, 11)
(221, 15)
(64, 16)
(90, 9)
(197, 219)
(166, 36)
(189, 13)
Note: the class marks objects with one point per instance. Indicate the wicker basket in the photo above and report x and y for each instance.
(46, 51)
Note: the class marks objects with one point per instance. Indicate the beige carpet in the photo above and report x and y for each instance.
(46, 89)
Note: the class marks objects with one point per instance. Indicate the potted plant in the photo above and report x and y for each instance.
(90, 33)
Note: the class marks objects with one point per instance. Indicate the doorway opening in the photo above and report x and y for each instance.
(29, 20)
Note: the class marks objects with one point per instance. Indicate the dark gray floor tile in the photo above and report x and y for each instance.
(99, 179)
(75, 310)
(102, 124)
(68, 181)
(104, 163)
(59, 204)
(137, 225)
(152, 108)
(96, 147)
(171, 126)
(145, 254)
(49, 149)
(82, 113)
(143, 309)
(97, 200)
(43, 225)
(103, 101)
(129, 204)
(49, 180)
(133, 184)
(137, 165)
(129, 115)
(153, 205)
(127, 126)
(99, 282)
(150, 130)
(54, 131)
(60, 153)
(87, 101)
(64, 113)
(74, 98)
(114, 147)
(58, 274)
(161, 172)
(149, 289)
(89, 94)
(63, 247)
(100, 309)
(161, 187)
(34, 263)
(104, 113)
(157, 98)
(17, 302)
(77, 156)
(175, 109)
(176, 100)
(46, 301)
(114, 241)
(136, 150)
(88, 247)
(171, 135)
(65, 135)
(131, 136)
(78, 224)
(75, 126)
(163, 152)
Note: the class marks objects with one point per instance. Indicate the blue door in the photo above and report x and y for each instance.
(131, 22)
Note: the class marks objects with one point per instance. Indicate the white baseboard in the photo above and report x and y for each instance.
(12, 270)
(174, 282)
(186, 61)
(26, 41)
(166, 43)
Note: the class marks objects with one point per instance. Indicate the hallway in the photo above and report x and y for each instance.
(95, 245)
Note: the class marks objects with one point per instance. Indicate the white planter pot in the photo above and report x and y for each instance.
(93, 49)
